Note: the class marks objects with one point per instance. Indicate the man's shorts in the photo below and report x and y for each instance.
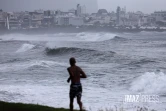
(75, 90)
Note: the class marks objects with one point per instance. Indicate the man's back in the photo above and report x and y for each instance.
(75, 74)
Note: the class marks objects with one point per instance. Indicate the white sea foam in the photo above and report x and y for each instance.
(150, 83)
(84, 36)
(56, 95)
(25, 47)
(96, 36)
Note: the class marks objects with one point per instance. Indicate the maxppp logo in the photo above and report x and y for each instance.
(141, 98)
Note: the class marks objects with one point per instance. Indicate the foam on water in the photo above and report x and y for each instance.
(96, 36)
(60, 37)
(56, 95)
(25, 47)
(150, 83)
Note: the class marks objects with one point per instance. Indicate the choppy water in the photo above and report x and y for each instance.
(33, 68)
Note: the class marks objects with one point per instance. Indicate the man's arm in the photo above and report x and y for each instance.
(83, 75)
(68, 80)
(70, 73)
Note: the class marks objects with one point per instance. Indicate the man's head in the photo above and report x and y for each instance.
(72, 61)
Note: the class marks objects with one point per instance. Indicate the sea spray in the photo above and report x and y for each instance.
(25, 47)
(150, 83)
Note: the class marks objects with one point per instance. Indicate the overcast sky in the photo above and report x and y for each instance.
(146, 6)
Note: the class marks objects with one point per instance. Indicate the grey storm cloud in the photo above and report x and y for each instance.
(21, 5)
(146, 6)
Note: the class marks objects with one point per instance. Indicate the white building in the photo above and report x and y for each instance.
(159, 16)
(83, 9)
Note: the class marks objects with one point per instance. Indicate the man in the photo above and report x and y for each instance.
(75, 73)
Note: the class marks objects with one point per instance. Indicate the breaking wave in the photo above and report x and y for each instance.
(150, 83)
(86, 54)
(119, 38)
(25, 47)
(72, 50)
(95, 36)
(65, 50)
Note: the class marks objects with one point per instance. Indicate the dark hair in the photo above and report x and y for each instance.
(72, 61)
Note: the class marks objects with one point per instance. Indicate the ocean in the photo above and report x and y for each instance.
(33, 68)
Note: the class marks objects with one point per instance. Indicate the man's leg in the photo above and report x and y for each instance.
(71, 103)
(79, 102)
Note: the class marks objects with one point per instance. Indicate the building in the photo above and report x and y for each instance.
(36, 19)
(48, 19)
(118, 15)
(13, 21)
(47, 13)
(73, 11)
(26, 21)
(2, 19)
(83, 9)
(76, 21)
(78, 12)
(63, 21)
(72, 21)
(159, 15)
(102, 12)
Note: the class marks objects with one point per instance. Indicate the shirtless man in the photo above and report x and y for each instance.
(75, 73)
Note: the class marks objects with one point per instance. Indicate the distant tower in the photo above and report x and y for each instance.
(83, 9)
(118, 15)
(8, 26)
(125, 9)
(78, 10)
(91, 5)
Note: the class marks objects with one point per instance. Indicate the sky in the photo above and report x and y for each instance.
(146, 6)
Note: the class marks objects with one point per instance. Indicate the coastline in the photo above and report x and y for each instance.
(72, 29)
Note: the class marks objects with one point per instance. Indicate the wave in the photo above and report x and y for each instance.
(33, 64)
(95, 36)
(72, 50)
(119, 38)
(141, 62)
(25, 47)
(11, 60)
(64, 50)
(44, 64)
(93, 56)
(150, 83)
